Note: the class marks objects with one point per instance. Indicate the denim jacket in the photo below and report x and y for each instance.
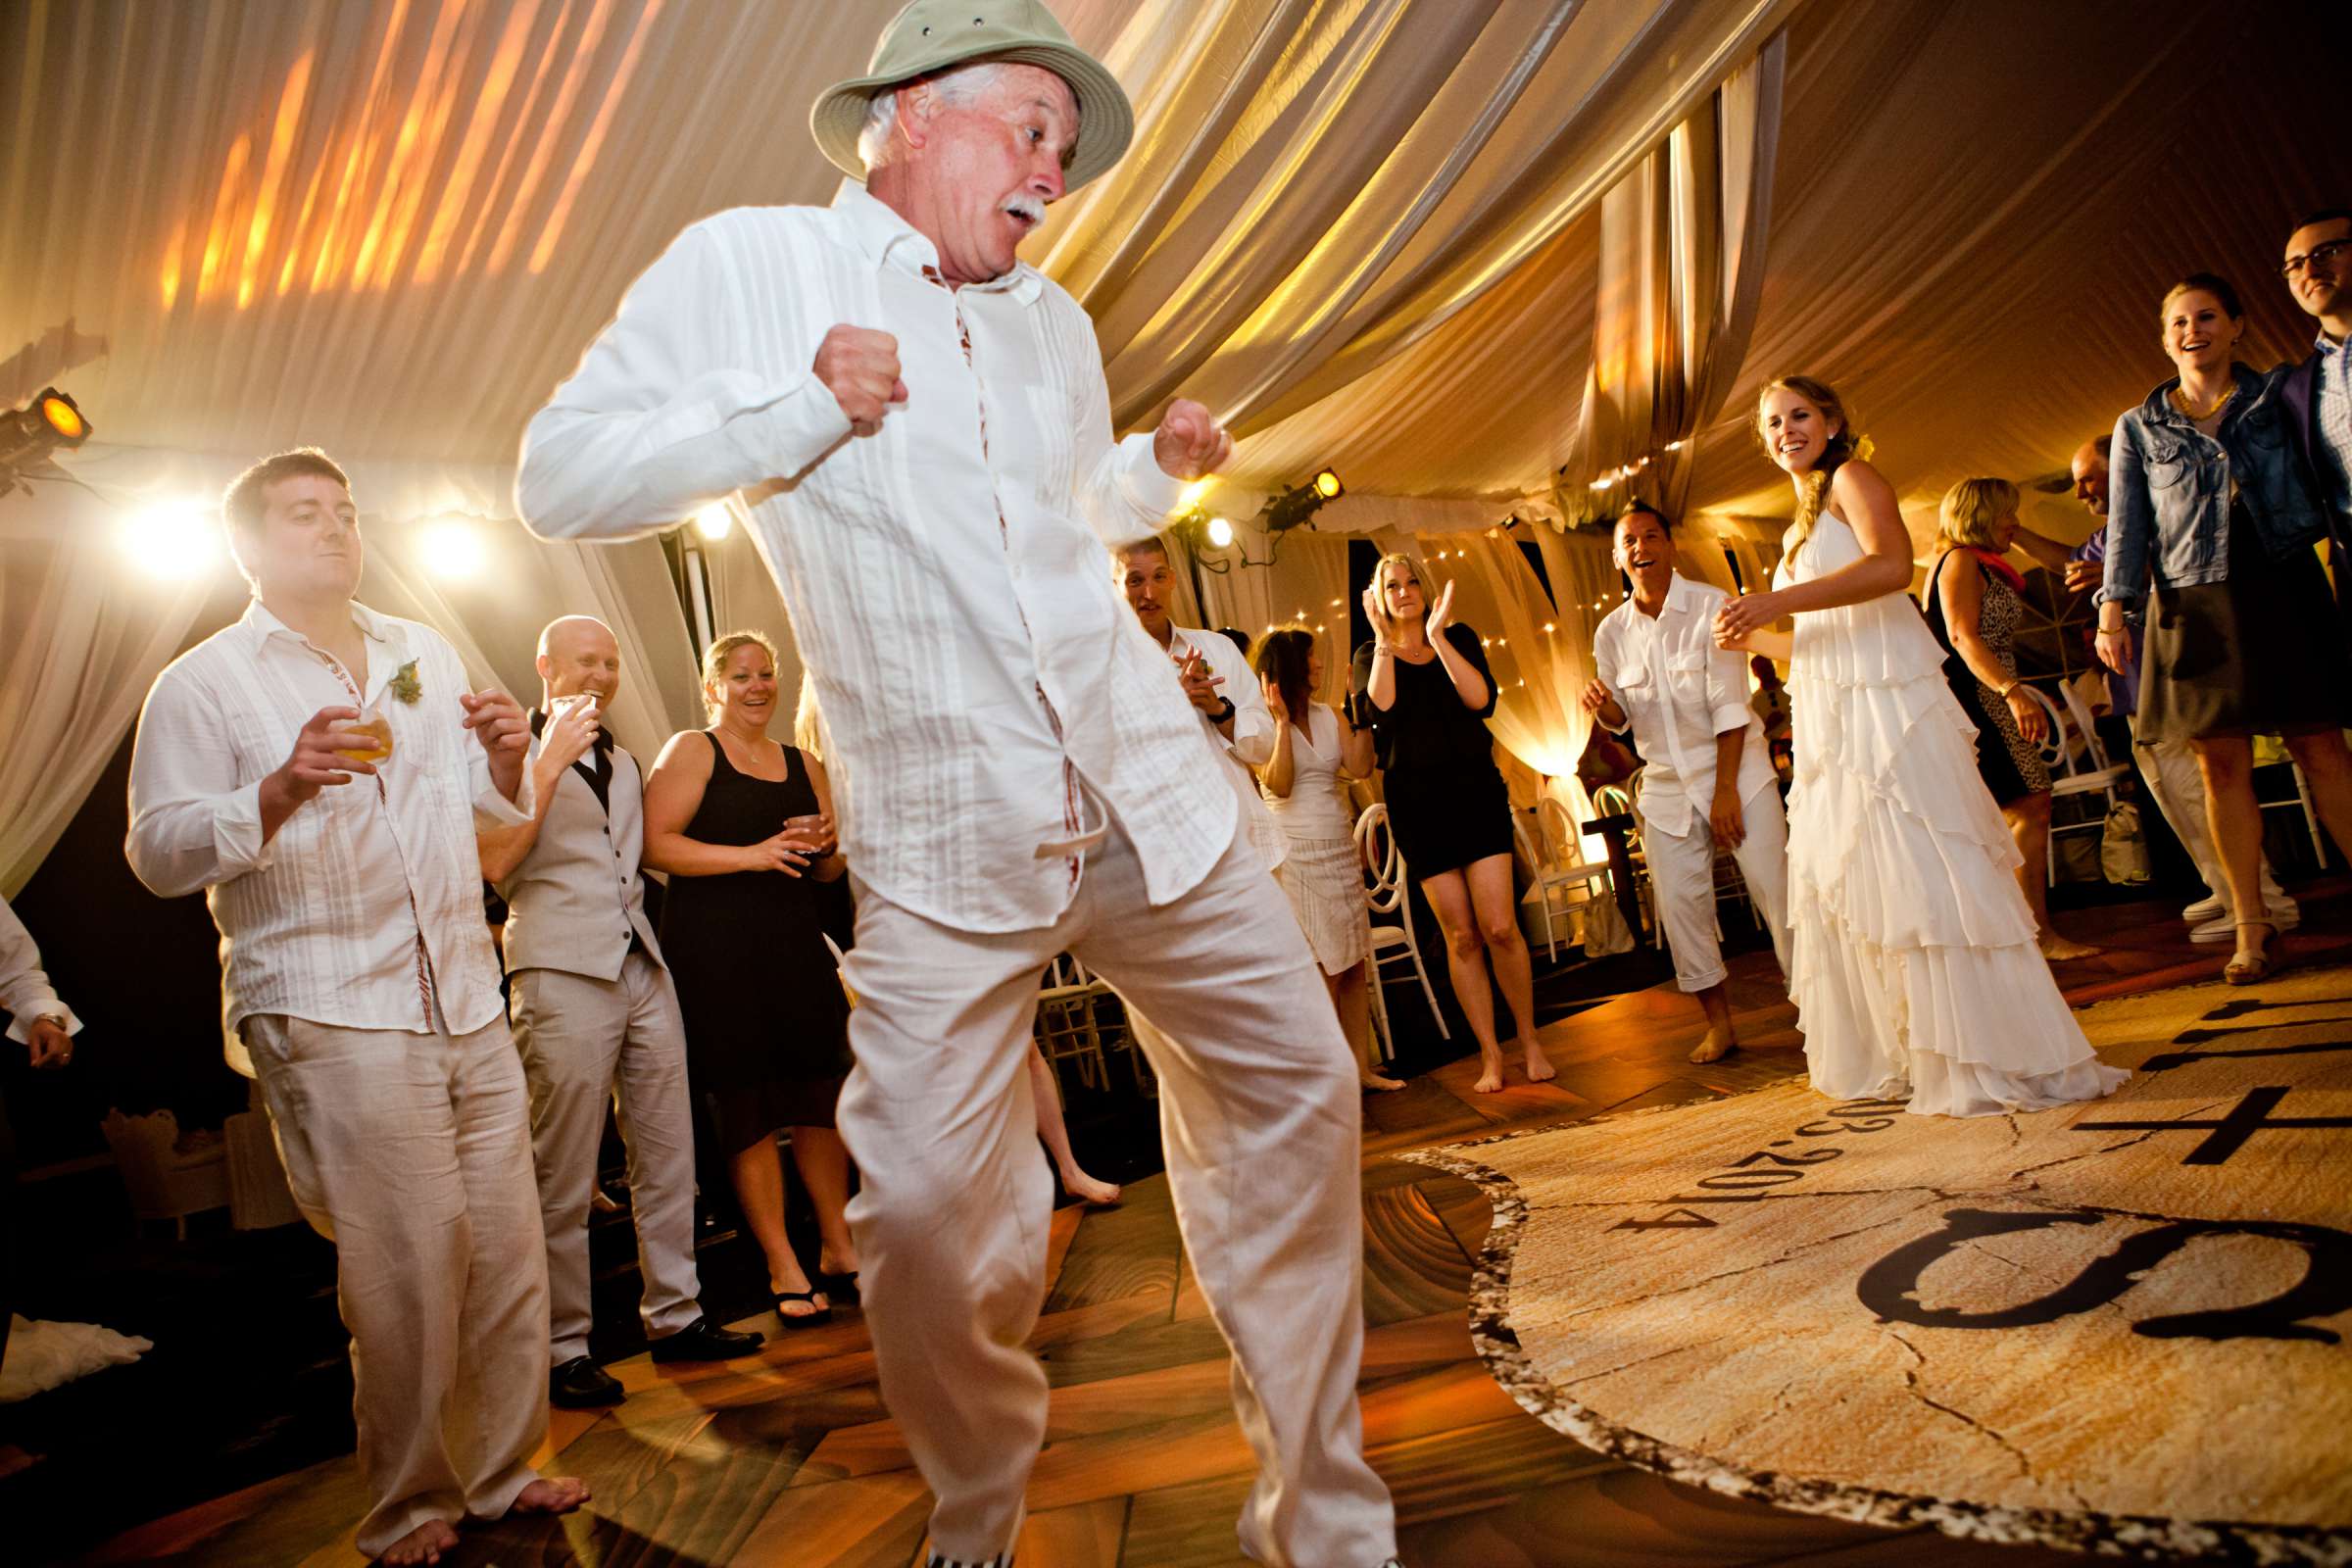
(2168, 490)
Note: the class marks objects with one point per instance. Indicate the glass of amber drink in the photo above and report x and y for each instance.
(380, 728)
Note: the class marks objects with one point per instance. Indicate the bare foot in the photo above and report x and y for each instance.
(1377, 1083)
(1489, 1078)
(426, 1543)
(2058, 950)
(1715, 1047)
(1539, 1066)
(1086, 1190)
(549, 1494)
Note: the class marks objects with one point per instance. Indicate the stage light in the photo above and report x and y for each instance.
(713, 521)
(454, 550)
(31, 434)
(1220, 532)
(175, 541)
(1327, 486)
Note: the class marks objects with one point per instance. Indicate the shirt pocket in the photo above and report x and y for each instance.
(1687, 674)
(2169, 462)
(1636, 691)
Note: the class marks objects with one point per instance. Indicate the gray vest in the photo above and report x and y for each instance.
(575, 899)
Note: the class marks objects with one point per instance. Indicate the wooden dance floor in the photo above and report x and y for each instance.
(791, 1458)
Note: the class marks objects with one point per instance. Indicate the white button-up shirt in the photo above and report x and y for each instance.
(322, 921)
(947, 574)
(1253, 743)
(1679, 692)
(26, 994)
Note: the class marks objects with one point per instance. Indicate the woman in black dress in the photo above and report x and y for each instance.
(744, 829)
(1425, 682)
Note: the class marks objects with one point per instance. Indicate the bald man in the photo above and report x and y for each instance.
(592, 1008)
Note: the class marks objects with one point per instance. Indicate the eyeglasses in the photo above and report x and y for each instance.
(2322, 255)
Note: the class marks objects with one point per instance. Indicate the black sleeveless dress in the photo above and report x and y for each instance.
(1447, 804)
(766, 1020)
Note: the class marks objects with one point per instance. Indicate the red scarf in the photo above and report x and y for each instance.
(1993, 563)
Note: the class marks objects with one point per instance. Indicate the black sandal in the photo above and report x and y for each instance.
(802, 1320)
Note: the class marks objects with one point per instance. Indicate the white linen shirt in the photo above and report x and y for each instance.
(322, 922)
(26, 994)
(946, 574)
(1253, 743)
(1679, 692)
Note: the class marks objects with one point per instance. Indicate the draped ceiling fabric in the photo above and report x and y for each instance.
(1405, 238)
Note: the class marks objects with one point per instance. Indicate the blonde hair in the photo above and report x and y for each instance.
(1970, 509)
(714, 661)
(808, 721)
(1396, 558)
(1813, 494)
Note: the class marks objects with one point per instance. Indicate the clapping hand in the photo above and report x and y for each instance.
(1441, 614)
(1375, 610)
(1274, 703)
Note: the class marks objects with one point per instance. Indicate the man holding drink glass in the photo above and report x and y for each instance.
(360, 988)
(593, 1009)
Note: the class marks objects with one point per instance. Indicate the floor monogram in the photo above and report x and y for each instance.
(2117, 1325)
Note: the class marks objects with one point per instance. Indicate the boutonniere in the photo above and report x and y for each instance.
(404, 684)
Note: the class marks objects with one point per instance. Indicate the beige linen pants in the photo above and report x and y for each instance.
(1682, 873)
(2171, 769)
(1260, 1115)
(411, 1153)
(581, 1038)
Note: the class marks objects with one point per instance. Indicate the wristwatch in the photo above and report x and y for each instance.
(1224, 713)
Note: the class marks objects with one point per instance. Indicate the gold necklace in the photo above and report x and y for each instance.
(2197, 416)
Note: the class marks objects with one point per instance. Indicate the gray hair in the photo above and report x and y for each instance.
(961, 86)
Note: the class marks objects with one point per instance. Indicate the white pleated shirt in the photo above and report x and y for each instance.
(947, 575)
(322, 921)
(26, 994)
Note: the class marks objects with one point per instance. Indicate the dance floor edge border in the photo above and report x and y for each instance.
(2115, 1535)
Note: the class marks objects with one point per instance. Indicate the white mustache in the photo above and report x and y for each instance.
(1028, 207)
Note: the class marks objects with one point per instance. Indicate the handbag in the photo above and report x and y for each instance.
(2123, 846)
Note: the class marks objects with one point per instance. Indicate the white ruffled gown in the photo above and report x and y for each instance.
(1913, 962)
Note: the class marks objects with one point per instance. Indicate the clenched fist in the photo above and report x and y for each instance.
(859, 366)
(1190, 444)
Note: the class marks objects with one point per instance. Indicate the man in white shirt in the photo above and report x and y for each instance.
(921, 428)
(1707, 776)
(317, 769)
(593, 1012)
(1217, 681)
(45, 1027)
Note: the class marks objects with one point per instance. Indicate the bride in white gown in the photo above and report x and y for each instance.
(1913, 959)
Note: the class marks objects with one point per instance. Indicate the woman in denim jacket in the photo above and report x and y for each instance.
(2209, 509)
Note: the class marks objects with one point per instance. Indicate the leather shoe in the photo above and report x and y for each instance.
(579, 1384)
(704, 1340)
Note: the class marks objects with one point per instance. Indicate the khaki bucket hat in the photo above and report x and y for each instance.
(932, 35)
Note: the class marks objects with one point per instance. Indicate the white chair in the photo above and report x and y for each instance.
(1069, 1027)
(2069, 776)
(1389, 894)
(1550, 861)
(2301, 800)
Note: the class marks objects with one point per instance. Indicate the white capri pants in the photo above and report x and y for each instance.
(1682, 874)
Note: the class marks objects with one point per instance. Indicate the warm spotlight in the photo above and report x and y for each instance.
(1327, 486)
(713, 521)
(31, 434)
(173, 542)
(454, 550)
(1220, 533)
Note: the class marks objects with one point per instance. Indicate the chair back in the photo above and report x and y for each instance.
(2084, 726)
(2053, 748)
(1376, 847)
(1557, 826)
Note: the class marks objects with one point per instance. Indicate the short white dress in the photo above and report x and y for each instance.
(1321, 875)
(1913, 956)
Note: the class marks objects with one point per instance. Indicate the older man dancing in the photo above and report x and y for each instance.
(922, 424)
